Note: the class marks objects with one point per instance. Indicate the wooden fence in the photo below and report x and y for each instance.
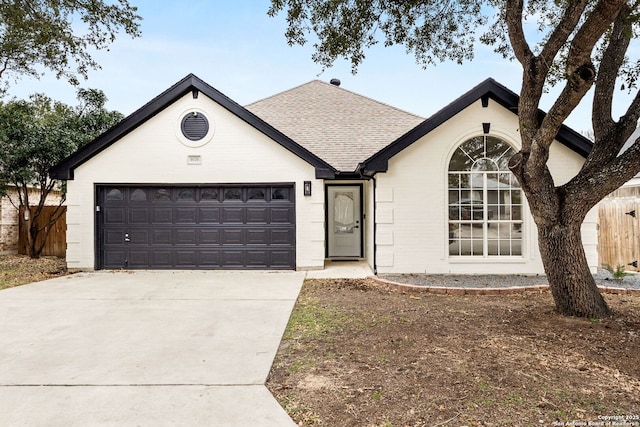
(56, 243)
(619, 232)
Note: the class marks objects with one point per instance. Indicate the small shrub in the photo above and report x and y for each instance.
(618, 273)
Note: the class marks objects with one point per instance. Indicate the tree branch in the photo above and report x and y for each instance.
(596, 24)
(629, 121)
(5, 65)
(581, 73)
(563, 30)
(612, 59)
(609, 135)
(532, 85)
(518, 40)
(589, 187)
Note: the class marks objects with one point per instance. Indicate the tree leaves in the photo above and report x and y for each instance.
(39, 133)
(48, 33)
(433, 30)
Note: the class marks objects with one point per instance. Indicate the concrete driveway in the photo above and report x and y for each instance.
(176, 348)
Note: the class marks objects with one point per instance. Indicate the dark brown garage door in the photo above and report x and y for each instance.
(203, 227)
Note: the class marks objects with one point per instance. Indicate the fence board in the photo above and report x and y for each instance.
(56, 243)
(619, 232)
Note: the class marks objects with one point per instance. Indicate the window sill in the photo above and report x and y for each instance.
(487, 260)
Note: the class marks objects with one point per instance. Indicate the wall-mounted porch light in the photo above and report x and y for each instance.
(307, 188)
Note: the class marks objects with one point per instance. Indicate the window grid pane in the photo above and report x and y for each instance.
(485, 203)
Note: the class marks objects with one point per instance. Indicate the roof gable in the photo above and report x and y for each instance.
(190, 83)
(488, 89)
(335, 124)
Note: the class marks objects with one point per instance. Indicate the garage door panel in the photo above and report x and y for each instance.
(115, 215)
(281, 215)
(162, 258)
(281, 236)
(139, 236)
(257, 215)
(138, 258)
(160, 236)
(209, 259)
(233, 215)
(139, 215)
(231, 236)
(185, 236)
(186, 258)
(281, 259)
(195, 227)
(208, 236)
(208, 215)
(259, 236)
(161, 215)
(258, 258)
(114, 258)
(232, 258)
(185, 215)
(113, 237)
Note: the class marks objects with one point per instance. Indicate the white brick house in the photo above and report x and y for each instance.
(194, 180)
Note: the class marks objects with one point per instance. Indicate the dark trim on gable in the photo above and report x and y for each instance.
(189, 84)
(488, 89)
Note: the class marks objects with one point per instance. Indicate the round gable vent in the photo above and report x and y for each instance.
(194, 126)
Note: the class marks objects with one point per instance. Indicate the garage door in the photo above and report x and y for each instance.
(196, 227)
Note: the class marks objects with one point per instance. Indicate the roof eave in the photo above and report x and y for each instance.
(191, 83)
(488, 89)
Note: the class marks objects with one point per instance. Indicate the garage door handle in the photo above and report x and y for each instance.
(126, 238)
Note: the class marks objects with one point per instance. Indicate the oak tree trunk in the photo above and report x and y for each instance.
(27, 224)
(31, 232)
(573, 286)
(34, 232)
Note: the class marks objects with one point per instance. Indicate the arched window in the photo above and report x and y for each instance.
(485, 200)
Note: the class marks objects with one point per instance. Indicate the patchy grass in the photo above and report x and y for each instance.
(311, 320)
(16, 270)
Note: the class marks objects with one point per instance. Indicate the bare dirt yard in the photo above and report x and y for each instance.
(18, 270)
(361, 353)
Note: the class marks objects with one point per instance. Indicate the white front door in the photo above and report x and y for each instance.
(344, 218)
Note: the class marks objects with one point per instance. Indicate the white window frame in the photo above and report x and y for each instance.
(513, 235)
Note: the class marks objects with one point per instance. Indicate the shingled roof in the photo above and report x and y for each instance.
(337, 125)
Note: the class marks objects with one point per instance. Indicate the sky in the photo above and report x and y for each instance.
(236, 48)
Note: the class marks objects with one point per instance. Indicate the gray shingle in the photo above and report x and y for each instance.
(339, 126)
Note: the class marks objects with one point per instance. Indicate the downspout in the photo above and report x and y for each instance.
(375, 228)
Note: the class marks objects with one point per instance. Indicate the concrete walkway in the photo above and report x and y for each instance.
(178, 348)
(342, 270)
